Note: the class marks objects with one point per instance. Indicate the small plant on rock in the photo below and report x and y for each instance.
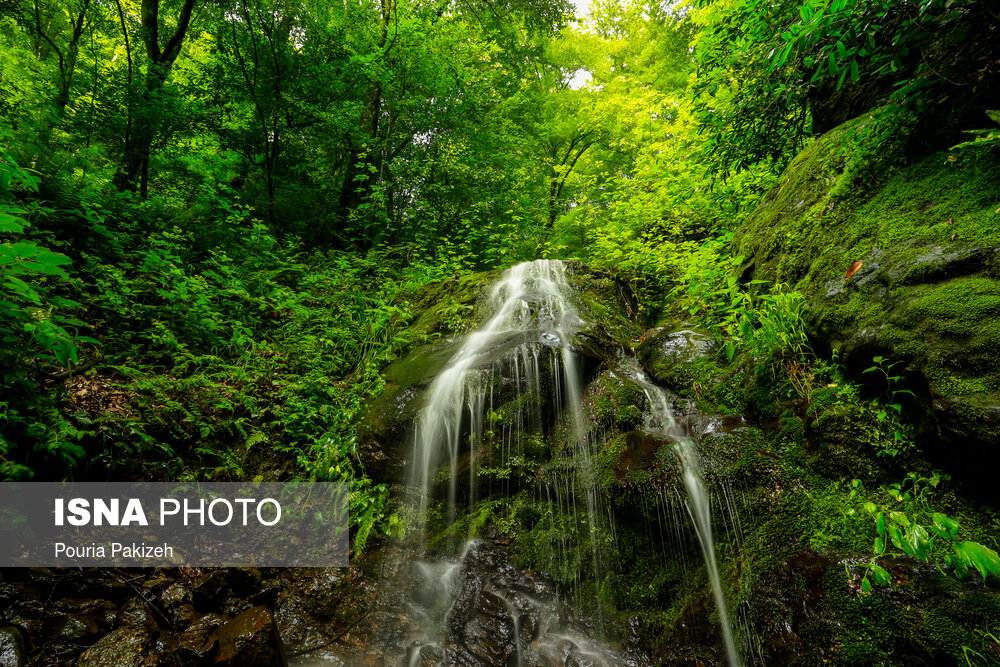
(913, 528)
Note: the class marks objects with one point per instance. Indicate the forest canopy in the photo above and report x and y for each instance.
(250, 240)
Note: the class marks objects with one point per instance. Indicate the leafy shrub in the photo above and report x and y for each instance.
(35, 331)
(914, 528)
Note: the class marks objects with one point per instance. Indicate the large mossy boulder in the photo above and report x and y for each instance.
(926, 292)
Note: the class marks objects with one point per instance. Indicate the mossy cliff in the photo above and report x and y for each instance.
(927, 290)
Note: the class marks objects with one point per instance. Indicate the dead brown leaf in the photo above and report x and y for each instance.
(854, 269)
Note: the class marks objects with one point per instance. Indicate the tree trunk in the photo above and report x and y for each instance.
(361, 160)
(133, 173)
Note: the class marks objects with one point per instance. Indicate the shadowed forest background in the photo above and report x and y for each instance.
(221, 221)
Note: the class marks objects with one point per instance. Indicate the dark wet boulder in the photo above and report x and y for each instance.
(481, 628)
(679, 358)
(195, 643)
(249, 639)
(124, 647)
(810, 607)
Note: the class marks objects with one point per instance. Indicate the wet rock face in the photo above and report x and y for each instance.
(670, 355)
(249, 639)
(501, 615)
(492, 616)
(927, 293)
(936, 310)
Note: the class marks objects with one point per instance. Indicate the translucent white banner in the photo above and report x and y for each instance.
(168, 524)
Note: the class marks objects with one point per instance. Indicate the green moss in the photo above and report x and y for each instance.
(928, 289)
(608, 307)
(815, 222)
(615, 402)
(448, 306)
(509, 412)
(791, 427)
(689, 378)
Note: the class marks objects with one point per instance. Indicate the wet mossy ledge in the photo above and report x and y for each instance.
(926, 292)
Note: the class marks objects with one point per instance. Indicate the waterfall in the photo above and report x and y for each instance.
(523, 349)
(660, 419)
(529, 308)
(701, 515)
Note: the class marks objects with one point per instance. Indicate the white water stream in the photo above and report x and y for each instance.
(530, 312)
(698, 505)
(529, 308)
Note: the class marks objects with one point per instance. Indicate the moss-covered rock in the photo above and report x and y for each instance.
(927, 292)
(615, 402)
(680, 358)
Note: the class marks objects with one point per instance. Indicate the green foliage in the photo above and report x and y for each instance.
(989, 136)
(883, 367)
(765, 69)
(768, 324)
(29, 307)
(369, 509)
(36, 333)
(916, 530)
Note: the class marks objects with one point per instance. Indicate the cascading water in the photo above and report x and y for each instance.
(524, 343)
(701, 515)
(698, 505)
(530, 308)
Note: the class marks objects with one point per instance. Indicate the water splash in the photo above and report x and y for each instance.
(453, 598)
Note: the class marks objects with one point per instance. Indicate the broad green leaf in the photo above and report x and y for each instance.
(895, 535)
(10, 224)
(880, 575)
(919, 541)
(981, 557)
(946, 524)
(900, 518)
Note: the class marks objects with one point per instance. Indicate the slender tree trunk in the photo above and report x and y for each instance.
(67, 68)
(361, 174)
(133, 173)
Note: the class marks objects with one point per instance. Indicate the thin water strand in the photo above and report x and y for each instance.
(660, 419)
